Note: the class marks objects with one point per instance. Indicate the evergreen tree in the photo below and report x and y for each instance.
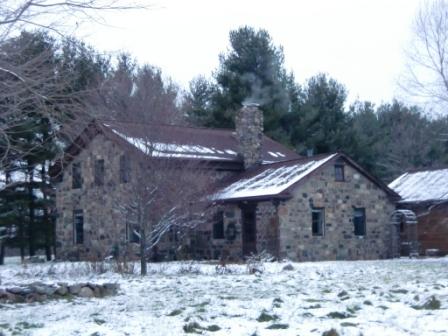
(318, 122)
(252, 71)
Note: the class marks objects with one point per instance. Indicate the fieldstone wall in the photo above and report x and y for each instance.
(268, 228)
(104, 223)
(230, 247)
(38, 291)
(339, 199)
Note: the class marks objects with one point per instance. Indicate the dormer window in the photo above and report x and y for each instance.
(339, 174)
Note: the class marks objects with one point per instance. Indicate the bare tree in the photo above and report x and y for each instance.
(165, 198)
(33, 80)
(140, 94)
(55, 14)
(426, 74)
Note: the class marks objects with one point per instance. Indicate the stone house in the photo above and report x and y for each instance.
(425, 194)
(265, 198)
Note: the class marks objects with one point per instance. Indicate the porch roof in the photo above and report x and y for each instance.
(271, 181)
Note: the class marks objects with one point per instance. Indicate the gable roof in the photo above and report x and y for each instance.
(193, 142)
(422, 186)
(275, 180)
(177, 142)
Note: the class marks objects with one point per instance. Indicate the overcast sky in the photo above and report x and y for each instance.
(358, 42)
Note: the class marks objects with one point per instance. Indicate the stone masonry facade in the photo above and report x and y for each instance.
(104, 224)
(338, 199)
(284, 228)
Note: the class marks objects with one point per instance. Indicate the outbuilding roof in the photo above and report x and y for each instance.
(422, 186)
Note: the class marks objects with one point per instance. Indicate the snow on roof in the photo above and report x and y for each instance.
(159, 149)
(270, 181)
(192, 143)
(422, 186)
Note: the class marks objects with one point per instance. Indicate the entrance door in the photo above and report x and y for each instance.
(249, 229)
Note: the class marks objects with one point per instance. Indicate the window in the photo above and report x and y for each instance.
(359, 221)
(76, 175)
(78, 227)
(125, 169)
(339, 172)
(99, 172)
(318, 221)
(132, 232)
(218, 226)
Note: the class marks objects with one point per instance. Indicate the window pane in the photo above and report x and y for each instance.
(318, 222)
(218, 226)
(359, 221)
(125, 171)
(78, 226)
(76, 175)
(99, 172)
(339, 172)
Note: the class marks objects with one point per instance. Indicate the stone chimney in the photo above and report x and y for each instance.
(249, 133)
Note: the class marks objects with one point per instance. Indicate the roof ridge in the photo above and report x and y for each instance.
(303, 158)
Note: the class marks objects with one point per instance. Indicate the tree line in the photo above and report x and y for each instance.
(75, 83)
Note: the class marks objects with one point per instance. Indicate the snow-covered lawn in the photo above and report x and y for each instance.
(359, 297)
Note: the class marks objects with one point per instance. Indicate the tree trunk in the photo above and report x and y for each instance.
(47, 220)
(31, 238)
(143, 265)
(22, 241)
(2, 253)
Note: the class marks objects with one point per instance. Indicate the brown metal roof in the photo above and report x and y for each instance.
(218, 146)
(194, 142)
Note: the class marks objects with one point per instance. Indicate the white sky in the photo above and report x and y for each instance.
(358, 42)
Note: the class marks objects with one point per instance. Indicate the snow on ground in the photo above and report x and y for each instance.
(353, 297)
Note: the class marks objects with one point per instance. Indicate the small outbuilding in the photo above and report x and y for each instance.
(426, 194)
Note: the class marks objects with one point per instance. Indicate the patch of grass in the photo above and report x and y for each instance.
(27, 325)
(192, 328)
(342, 294)
(368, 303)
(331, 332)
(202, 304)
(176, 312)
(213, 328)
(99, 321)
(313, 300)
(339, 315)
(353, 309)
(277, 302)
(265, 317)
(278, 326)
(431, 304)
(316, 306)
